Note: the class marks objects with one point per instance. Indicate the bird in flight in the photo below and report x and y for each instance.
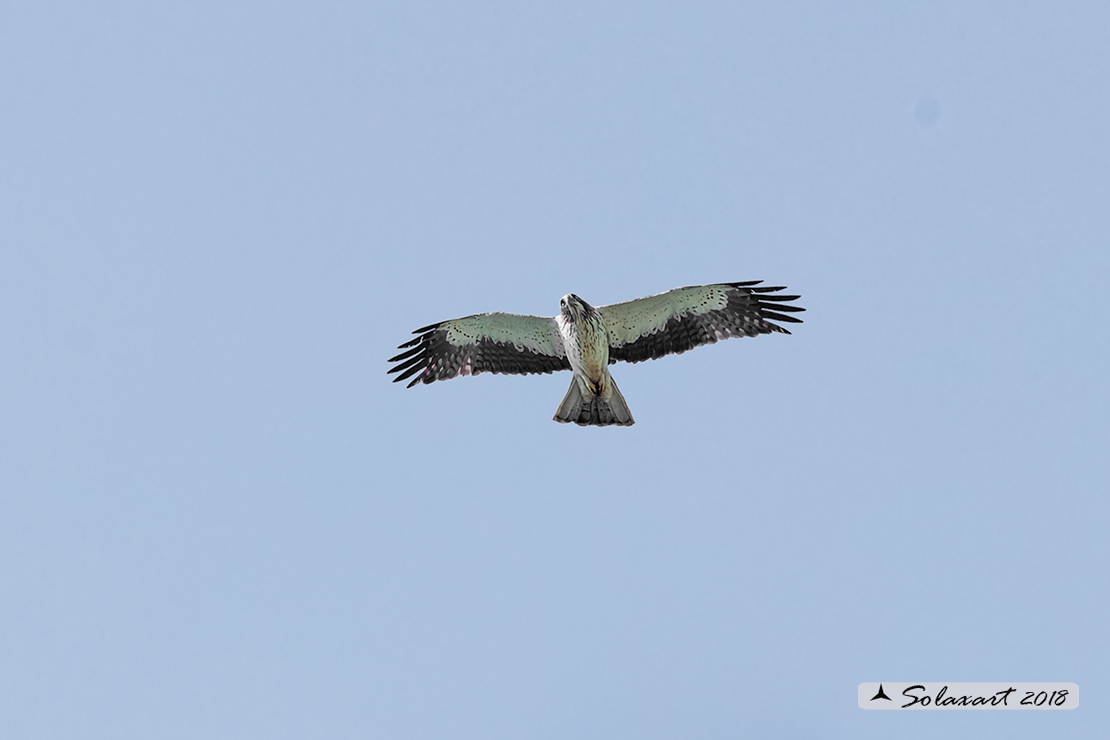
(586, 340)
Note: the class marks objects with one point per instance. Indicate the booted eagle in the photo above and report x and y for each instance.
(587, 340)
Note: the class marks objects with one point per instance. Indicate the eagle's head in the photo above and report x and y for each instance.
(574, 308)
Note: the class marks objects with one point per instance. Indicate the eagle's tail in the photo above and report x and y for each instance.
(586, 408)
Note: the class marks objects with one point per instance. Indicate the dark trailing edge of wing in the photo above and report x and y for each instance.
(431, 357)
(749, 312)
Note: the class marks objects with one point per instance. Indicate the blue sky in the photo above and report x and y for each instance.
(219, 519)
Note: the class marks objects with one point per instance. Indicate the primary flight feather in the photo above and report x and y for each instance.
(587, 340)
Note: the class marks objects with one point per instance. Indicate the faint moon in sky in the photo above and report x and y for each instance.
(927, 111)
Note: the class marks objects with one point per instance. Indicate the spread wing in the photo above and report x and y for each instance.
(684, 318)
(484, 343)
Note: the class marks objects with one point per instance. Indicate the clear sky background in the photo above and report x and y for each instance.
(219, 519)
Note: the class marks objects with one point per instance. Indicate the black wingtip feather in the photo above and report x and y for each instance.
(403, 355)
(408, 373)
(407, 364)
(779, 317)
